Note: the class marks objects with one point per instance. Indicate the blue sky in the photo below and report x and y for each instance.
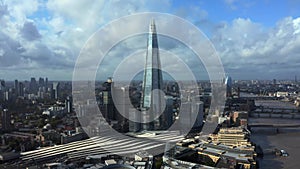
(254, 39)
(265, 12)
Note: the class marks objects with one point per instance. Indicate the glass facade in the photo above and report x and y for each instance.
(152, 100)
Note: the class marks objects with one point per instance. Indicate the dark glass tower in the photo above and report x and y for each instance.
(151, 103)
(228, 83)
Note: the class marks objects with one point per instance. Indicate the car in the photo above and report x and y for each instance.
(284, 153)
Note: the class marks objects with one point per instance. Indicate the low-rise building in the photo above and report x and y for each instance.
(235, 136)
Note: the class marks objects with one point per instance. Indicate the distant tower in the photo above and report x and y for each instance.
(228, 83)
(21, 89)
(136, 115)
(55, 90)
(41, 82)
(33, 87)
(2, 85)
(46, 82)
(2, 89)
(152, 80)
(5, 119)
(122, 106)
(108, 108)
(16, 85)
(274, 81)
(69, 104)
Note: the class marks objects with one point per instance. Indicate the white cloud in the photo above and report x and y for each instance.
(82, 14)
(51, 33)
(19, 10)
(239, 4)
(39, 35)
(248, 46)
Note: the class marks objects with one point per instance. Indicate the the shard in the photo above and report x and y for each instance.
(151, 103)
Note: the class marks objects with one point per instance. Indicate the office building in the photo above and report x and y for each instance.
(168, 115)
(46, 82)
(69, 104)
(5, 119)
(151, 100)
(16, 87)
(40, 93)
(41, 82)
(197, 109)
(191, 115)
(55, 90)
(122, 105)
(228, 83)
(2, 89)
(108, 108)
(21, 89)
(134, 125)
(2, 85)
(7, 95)
(33, 87)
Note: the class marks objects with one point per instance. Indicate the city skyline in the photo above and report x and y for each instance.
(149, 84)
(257, 40)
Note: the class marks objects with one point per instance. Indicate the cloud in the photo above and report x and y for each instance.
(19, 10)
(239, 4)
(36, 35)
(29, 42)
(30, 32)
(3, 10)
(90, 15)
(244, 46)
(11, 51)
(231, 3)
(50, 34)
(83, 14)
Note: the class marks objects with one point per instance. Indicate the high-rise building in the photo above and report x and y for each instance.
(2, 89)
(21, 89)
(46, 82)
(7, 95)
(55, 90)
(134, 126)
(274, 81)
(197, 110)
(168, 115)
(41, 82)
(16, 86)
(191, 115)
(151, 101)
(40, 93)
(2, 85)
(228, 83)
(107, 108)
(5, 119)
(185, 116)
(69, 104)
(33, 87)
(122, 105)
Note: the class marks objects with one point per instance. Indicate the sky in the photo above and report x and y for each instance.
(257, 39)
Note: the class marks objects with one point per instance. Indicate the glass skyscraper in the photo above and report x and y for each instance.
(151, 103)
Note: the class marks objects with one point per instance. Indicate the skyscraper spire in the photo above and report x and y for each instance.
(151, 98)
(152, 28)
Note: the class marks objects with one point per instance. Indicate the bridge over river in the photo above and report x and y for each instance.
(273, 123)
(275, 109)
